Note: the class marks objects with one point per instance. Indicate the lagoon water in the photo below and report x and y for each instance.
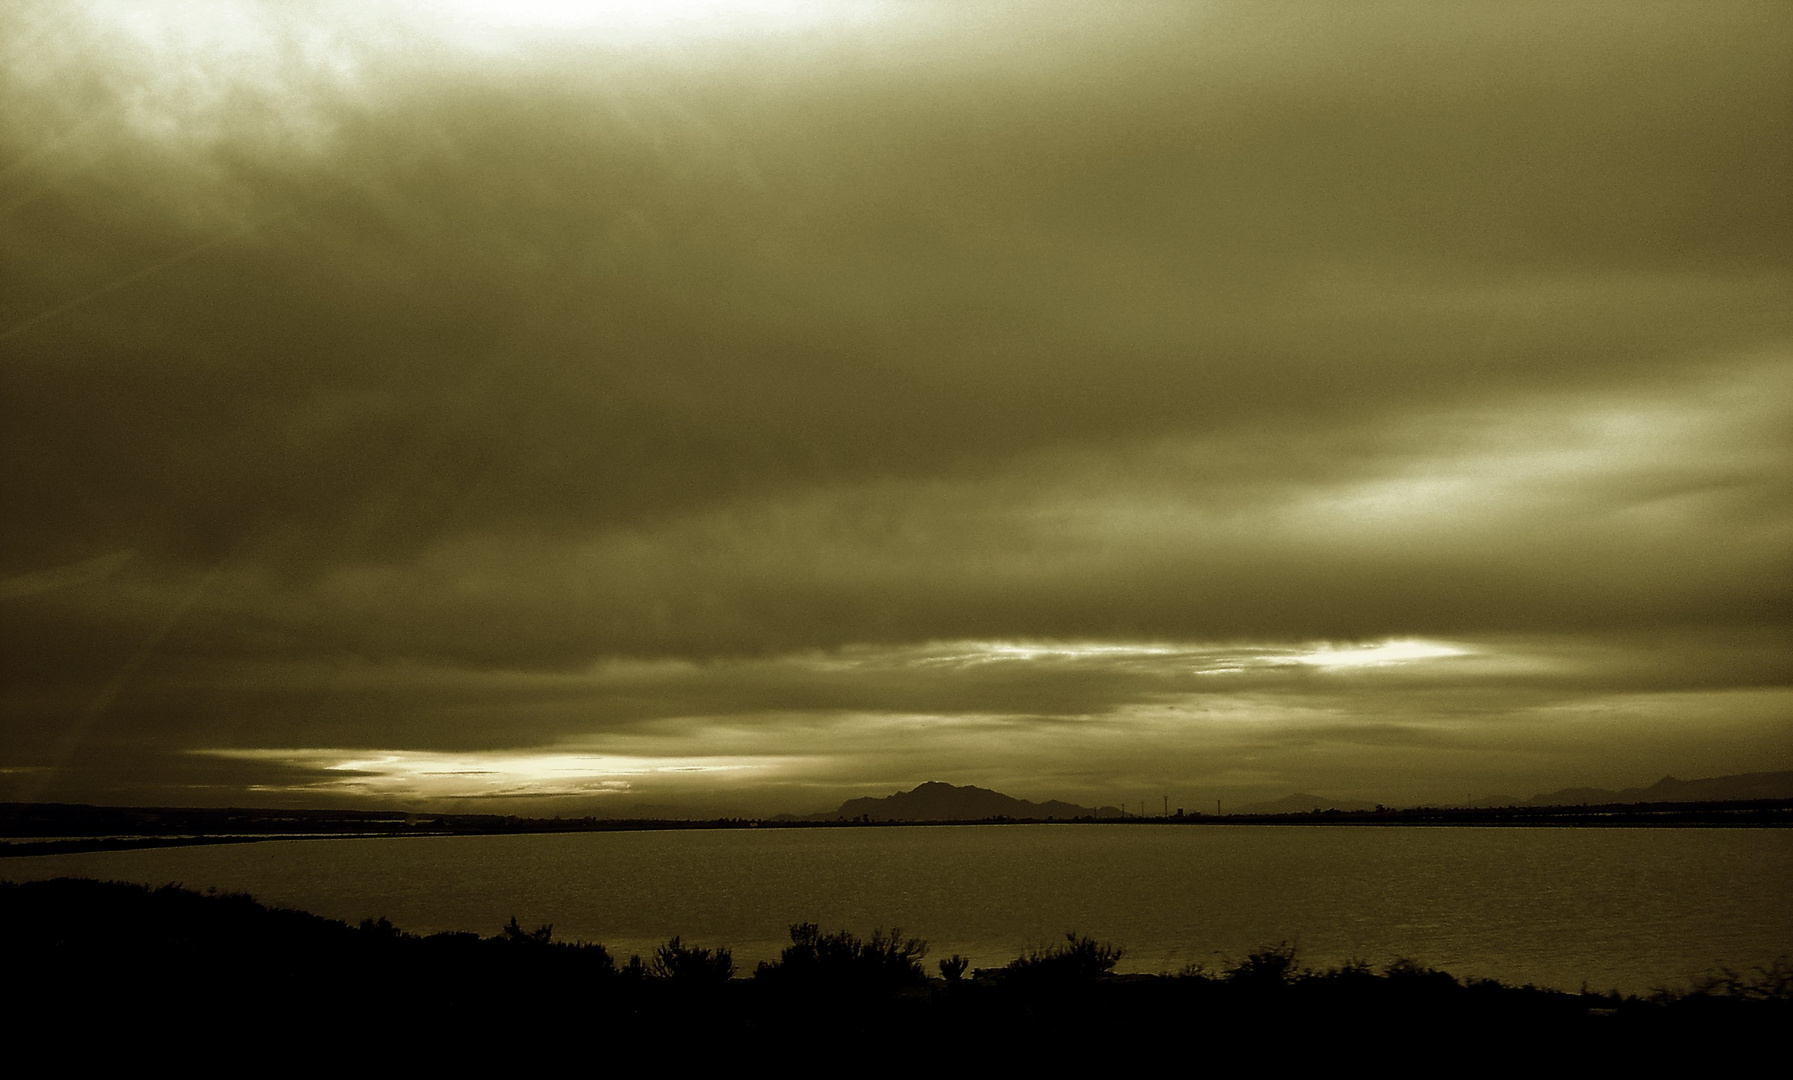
(1626, 909)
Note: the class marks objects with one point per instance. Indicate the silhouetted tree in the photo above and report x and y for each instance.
(381, 928)
(692, 966)
(516, 935)
(1078, 958)
(1268, 967)
(840, 959)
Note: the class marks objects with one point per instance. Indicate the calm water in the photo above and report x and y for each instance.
(1614, 908)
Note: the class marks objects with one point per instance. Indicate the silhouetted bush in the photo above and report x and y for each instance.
(840, 959)
(1077, 958)
(952, 968)
(1352, 970)
(1270, 966)
(1411, 975)
(692, 966)
(1771, 983)
(383, 929)
(516, 935)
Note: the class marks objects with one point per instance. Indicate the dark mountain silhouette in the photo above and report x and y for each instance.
(935, 801)
(1737, 788)
(1762, 785)
(1301, 803)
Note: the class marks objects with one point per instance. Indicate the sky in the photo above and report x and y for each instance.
(725, 408)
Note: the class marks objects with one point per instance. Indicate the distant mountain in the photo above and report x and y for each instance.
(935, 801)
(1762, 785)
(1300, 803)
(1744, 786)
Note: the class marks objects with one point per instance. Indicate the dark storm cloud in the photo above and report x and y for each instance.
(520, 298)
(364, 387)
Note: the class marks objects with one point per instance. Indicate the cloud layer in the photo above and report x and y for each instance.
(441, 382)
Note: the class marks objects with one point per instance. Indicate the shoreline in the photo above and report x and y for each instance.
(28, 830)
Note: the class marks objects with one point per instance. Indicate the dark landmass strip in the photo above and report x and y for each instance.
(1736, 787)
(141, 963)
(131, 831)
(54, 828)
(1762, 813)
(1740, 787)
(938, 802)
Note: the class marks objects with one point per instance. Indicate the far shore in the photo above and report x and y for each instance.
(28, 829)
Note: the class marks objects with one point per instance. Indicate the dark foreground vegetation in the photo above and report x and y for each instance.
(100, 967)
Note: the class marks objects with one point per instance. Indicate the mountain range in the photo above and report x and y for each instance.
(1761, 785)
(936, 801)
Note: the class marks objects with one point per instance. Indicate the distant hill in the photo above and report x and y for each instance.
(1301, 803)
(1762, 785)
(935, 801)
(1738, 788)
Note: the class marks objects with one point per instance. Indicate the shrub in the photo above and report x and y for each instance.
(839, 959)
(1077, 958)
(1412, 973)
(383, 930)
(1356, 973)
(514, 934)
(692, 966)
(1771, 983)
(1269, 966)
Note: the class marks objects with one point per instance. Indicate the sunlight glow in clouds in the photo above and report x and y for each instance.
(1387, 652)
(1211, 659)
(277, 76)
(646, 18)
(999, 651)
(502, 774)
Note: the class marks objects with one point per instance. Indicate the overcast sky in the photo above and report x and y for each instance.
(739, 407)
